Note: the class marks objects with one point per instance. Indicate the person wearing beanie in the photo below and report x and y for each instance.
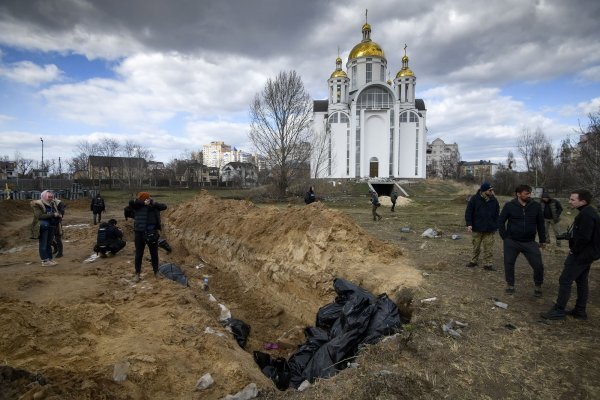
(146, 227)
(47, 218)
(552, 210)
(481, 217)
(97, 208)
(519, 221)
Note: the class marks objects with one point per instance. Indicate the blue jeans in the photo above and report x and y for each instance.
(45, 242)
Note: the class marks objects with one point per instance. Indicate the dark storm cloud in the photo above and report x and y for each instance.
(258, 27)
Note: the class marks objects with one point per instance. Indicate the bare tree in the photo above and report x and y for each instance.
(321, 153)
(279, 127)
(23, 165)
(537, 153)
(109, 148)
(587, 161)
(80, 162)
(134, 168)
(449, 166)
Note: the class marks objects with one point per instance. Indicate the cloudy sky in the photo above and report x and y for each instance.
(173, 75)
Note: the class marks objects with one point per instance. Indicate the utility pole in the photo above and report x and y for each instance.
(42, 140)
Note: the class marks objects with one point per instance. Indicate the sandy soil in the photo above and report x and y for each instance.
(69, 325)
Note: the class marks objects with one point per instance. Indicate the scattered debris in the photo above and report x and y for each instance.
(430, 233)
(303, 386)
(453, 328)
(455, 237)
(271, 346)
(501, 305)
(120, 371)
(211, 298)
(204, 382)
(211, 331)
(91, 258)
(225, 313)
(249, 392)
(510, 327)
(355, 364)
(425, 274)
(405, 230)
(429, 300)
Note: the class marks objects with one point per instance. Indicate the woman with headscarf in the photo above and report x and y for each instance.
(47, 218)
(146, 226)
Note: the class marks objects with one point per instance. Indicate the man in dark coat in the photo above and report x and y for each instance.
(146, 226)
(109, 240)
(481, 217)
(393, 199)
(552, 211)
(310, 196)
(97, 208)
(584, 245)
(519, 220)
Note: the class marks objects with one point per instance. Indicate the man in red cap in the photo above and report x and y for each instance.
(146, 226)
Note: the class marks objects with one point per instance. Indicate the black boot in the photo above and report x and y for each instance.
(554, 314)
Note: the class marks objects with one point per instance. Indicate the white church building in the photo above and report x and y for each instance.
(373, 128)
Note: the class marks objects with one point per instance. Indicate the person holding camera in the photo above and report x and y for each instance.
(146, 226)
(584, 249)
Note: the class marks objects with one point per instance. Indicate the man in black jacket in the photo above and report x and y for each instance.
(524, 218)
(146, 226)
(481, 217)
(97, 208)
(584, 245)
(552, 210)
(109, 239)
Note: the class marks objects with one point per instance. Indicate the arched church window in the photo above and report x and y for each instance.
(369, 70)
(413, 117)
(375, 97)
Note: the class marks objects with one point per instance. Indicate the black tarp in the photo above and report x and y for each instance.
(356, 317)
(174, 273)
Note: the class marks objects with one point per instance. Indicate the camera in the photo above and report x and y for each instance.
(563, 236)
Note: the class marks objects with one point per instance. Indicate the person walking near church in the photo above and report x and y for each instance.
(393, 199)
(552, 211)
(375, 205)
(481, 217)
(97, 208)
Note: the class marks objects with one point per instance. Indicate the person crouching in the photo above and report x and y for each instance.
(109, 240)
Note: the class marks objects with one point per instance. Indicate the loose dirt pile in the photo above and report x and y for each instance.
(271, 267)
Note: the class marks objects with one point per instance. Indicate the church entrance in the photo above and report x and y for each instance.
(373, 167)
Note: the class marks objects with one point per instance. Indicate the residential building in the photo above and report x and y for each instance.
(213, 153)
(479, 170)
(371, 127)
(239, 173)
(8, 170)
(442, 159)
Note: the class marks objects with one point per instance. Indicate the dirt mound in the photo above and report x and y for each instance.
(291, 254)
(14, 209)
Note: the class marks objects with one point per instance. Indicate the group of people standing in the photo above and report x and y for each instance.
(47, 228)
(518, 223)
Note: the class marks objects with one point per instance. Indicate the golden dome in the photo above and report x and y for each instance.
(366, 26)
(338, 74)
(405, 58)
(338, 60)
(366, 49)
(404, 72)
